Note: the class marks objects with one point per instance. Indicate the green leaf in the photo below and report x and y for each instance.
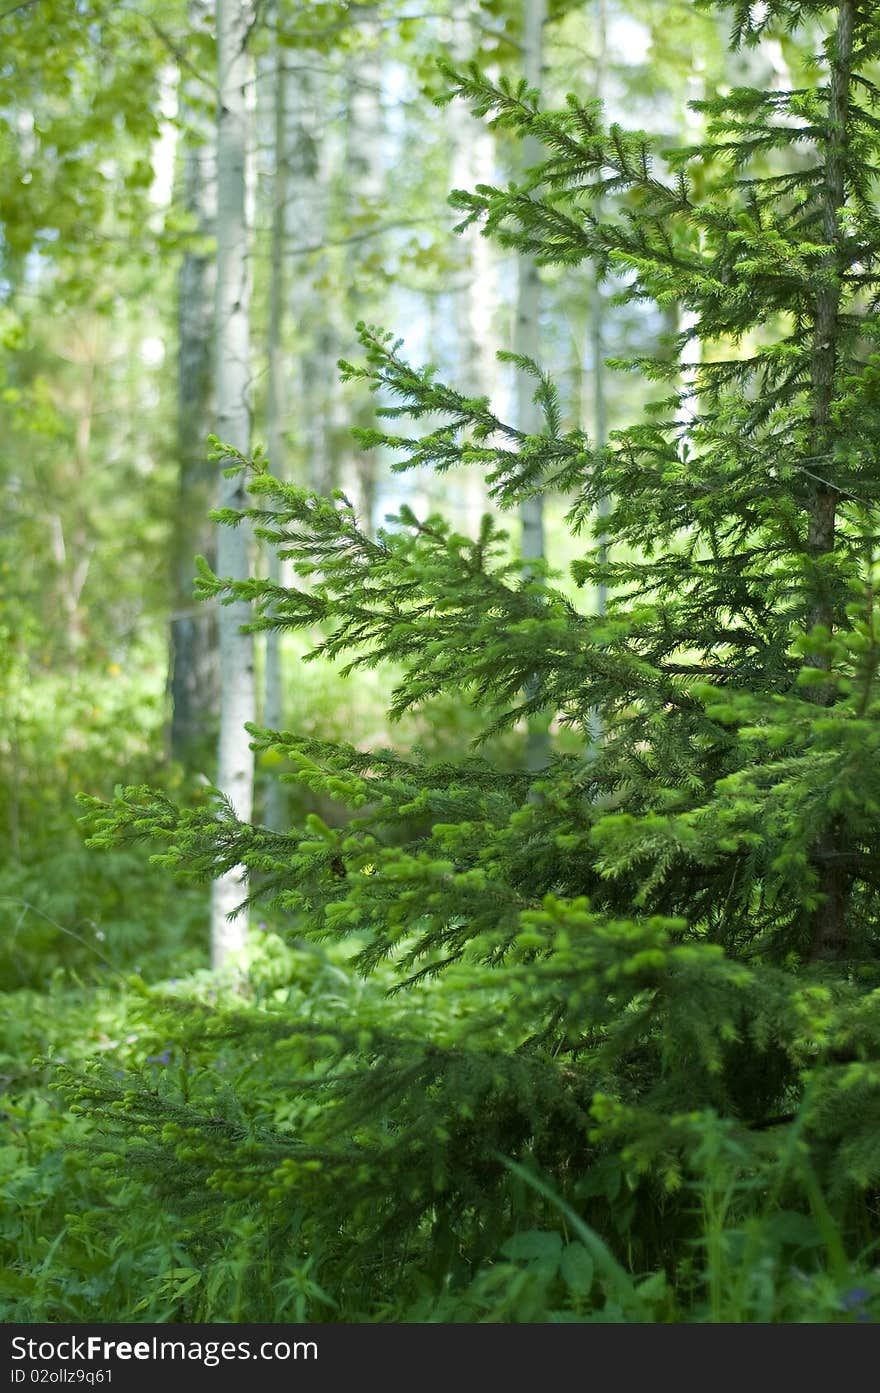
(533, 1244)
(577, 1268)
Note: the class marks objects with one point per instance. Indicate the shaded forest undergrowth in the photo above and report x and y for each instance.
(305, 1146)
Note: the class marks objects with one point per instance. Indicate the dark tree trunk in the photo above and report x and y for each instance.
(194, 677)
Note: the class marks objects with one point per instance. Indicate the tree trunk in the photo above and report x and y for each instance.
(193, 662)
(305, 225)
(477, 300)
(233, 379)
(296, 425)
(273, 709)
(527, 342)
(366, 194)
(828, 926)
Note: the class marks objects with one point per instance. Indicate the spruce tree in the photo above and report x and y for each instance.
(662, 949)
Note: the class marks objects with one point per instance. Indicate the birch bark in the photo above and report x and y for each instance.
(527, 332)
(233, 387)
(273, 706)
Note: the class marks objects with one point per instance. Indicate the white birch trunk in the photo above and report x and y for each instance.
(474, 162)
(273, 708)
(691, 353)
(233, 383)
(527, 331)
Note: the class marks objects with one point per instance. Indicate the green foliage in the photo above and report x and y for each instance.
(61, 909)
(633, 1072)
(305, 1148)
(82, 1235)
(86, 81)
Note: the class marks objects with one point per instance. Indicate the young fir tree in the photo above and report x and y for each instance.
(666, 946)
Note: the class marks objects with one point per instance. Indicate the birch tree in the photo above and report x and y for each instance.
(273, 705)
(527, 338)
(365, 180)
(194, 667)
(473, 161)
(233, 387)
